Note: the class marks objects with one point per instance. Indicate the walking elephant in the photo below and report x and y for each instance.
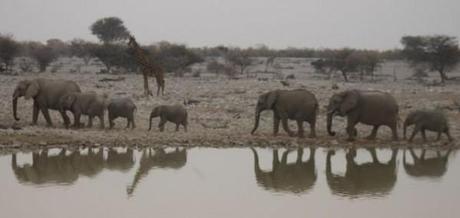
(373, 108)
(65, 169)
(46, 94)
(299, 105)
(432, 120)
(296, 177)
(159, 159)
(433, 167)
(87, 103)
(362, 180)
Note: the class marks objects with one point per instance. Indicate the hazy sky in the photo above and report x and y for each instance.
(275, 23)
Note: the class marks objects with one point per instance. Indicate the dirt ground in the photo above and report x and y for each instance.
(224, 115)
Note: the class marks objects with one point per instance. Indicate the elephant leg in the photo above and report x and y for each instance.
(177, 127)
(300, 129)
(351, 130)
(185, 127)
(373, 133)
(423, 134)
(35, 113)
(416, 130)
(90, 121)
(299, 155)
(439, 136)
(448, 135)
(133, 123)
(111, 123)
(286, 126)
(394, 130)
(101, 121)
(128, 123)
(46, 114)
(275, 161)
(276, 125)
(312, 123)
(65, 118)
(76, 117)
(161, 125)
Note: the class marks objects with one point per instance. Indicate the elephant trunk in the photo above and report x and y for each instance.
(256, 121)
(330, 115)
(15, 106)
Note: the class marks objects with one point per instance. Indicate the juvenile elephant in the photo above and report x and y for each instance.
(433, 120)
(88, 103)
(121, 107)
(46, 94)
(432, 167)
(300, 105)
(373, 108)
(173, 113)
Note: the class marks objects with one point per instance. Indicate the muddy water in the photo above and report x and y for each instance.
(203, 182)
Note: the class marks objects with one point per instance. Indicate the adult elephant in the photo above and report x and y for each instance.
(46, 94)
(373, 108)
(296, 177)
(159, 159)
(367, 179)
(433, 167)
(299, 105)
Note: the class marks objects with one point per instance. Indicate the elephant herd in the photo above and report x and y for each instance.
(373, 108)
(373, 178)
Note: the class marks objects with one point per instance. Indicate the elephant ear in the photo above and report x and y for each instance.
(32, 90)
(270, 99)
(69, 100)
(349, 102)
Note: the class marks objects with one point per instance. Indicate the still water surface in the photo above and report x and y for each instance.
(203, 182)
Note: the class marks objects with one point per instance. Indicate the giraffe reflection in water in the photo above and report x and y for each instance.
(297, 177)
(362, 180)
(158, 159)
(422, 167)
(65, 168)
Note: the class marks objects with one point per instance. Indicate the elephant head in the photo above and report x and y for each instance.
(341, 104)
(265, 102)
(28, 89)
(296, 177)
(156, 112)
(411, 119)
(433, 167)
(372, 178)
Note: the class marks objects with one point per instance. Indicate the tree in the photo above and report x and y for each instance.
(215, 67)
(439, 53)
(109, 29)
(343, 62)
(59, 47)
(239, 58)
(114, 55)
(82, 49)
(9, 49)
(43, 54)
(173, 57)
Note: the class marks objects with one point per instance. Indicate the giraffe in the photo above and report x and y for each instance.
(148, 68)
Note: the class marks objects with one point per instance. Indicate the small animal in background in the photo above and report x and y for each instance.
(121, 107)
(86, 103)
(432, 120)
(173, 113)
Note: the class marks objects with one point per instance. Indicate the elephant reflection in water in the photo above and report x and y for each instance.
(373, 178)
(159, 159)
(294, 177)
(433, 167)
(66, 168)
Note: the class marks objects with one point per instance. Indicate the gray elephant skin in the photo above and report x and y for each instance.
(299, 105)
(46, 94)
(64, 168)
(121, 107)
(373, 108)
(87, 103)
(422, 167)
(176, 114)
(432, 120)
(362, 180)
(158, 159)
(297, 177)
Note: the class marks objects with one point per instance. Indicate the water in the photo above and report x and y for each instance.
(203, 182)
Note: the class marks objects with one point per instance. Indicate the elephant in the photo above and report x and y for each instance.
(121, 107)
(433, 120)
(160, 159)
(361, 180)
(65, 169)
(297, 177)
(172, 113)
(434, 167)
(373, 108)
(46, 94)
(300, 105)
(87, 103)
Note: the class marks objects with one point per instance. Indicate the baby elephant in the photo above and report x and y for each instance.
(86, 103)
(172, 113)
(121, 107)
(432, 120)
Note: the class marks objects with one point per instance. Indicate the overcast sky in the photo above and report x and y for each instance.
(275, 23)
